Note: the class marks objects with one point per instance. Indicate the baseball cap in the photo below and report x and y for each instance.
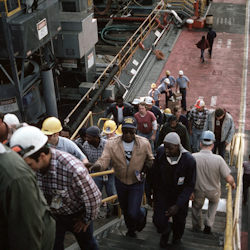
(149, 100)
(129, 122)
(207, 137)
(166, 80)
(199, 104)
(181, 72)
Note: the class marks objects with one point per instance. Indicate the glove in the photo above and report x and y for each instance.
(172, 211)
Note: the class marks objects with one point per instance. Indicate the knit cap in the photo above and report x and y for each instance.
(93, 131)
(172, 138)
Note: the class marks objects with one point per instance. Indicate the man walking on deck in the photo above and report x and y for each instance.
(182, 82)
(211, 34)
(210, 168)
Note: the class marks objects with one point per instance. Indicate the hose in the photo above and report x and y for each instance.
(117, 28)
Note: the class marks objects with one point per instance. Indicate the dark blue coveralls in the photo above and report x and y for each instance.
(172, 185)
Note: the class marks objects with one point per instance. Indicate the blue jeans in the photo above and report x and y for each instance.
(196, 137)
(108, 181)
(65, 223)
(221, 148)
(130, 197)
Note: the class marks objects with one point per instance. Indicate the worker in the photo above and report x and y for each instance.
(129, 155)
(182, 83)
(52, 128)
(109, 128)
(119, 110)
(71, 193)
(26, 222)
(155, 94)
(210, 168)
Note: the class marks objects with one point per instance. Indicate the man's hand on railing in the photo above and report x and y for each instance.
(95, 167)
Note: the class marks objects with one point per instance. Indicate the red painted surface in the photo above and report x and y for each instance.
(244, 240)
(220, 76)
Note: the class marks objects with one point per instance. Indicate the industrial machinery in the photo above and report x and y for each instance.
(41, 40)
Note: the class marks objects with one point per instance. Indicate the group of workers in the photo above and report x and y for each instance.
(146, 148)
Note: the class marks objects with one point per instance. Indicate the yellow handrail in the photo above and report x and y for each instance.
(229, 221)
(102, 173)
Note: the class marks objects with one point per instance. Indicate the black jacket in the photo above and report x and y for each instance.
(184, 177)
(127, 111)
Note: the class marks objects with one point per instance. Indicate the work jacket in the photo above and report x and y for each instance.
(184, 177)
(227, 129)
(113, 108)
(114, 153)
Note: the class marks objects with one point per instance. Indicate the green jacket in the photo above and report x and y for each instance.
(25, 219)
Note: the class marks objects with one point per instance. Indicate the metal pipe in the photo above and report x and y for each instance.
(49, 92)
(174, 14)
(94, 98)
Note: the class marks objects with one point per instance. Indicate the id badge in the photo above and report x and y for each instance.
(217, 123)
(198, 122)
(56, 202)
(145, 125)
(105, 178)
(181, 181)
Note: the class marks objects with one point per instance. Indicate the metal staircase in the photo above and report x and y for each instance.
(149, 239)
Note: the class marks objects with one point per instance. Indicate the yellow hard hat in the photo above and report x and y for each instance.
(153, 85)
(119, 130)
(167, 111)
(51, 126)
(168, 73)
(109, 127)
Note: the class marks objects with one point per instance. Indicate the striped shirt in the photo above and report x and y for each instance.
(198, 119)
(68, 187)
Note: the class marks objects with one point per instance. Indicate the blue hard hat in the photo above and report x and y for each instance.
(207, 137)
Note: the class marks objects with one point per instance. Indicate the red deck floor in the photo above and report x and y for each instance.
(219, 77)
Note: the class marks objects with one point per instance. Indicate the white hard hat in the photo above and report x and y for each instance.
(11, 120)
(136, 101)
(28, 137)
(167, 81)
(149, 100)
(181, 72)
(199, 104)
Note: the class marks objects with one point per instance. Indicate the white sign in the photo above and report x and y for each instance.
(135, 62)
(90, 60)
(42, 29)
(8, 106)
(133, 71)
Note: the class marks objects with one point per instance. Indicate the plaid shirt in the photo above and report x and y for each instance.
(198, 119)
(68, 187)
(93, 153)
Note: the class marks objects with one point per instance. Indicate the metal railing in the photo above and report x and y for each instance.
(125, 54)
(233, 223)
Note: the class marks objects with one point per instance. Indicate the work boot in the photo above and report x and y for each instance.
(131, 234)
(207, 230)
(165, 236)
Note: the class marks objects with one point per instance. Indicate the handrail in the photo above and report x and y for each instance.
(121, 59)
(229, 221)
(87, 117)
(232, 235)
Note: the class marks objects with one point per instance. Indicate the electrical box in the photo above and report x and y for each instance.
(79, 35)
(30, 31)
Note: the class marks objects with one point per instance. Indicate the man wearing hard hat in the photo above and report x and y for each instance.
(52, 128)
(71, 193)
